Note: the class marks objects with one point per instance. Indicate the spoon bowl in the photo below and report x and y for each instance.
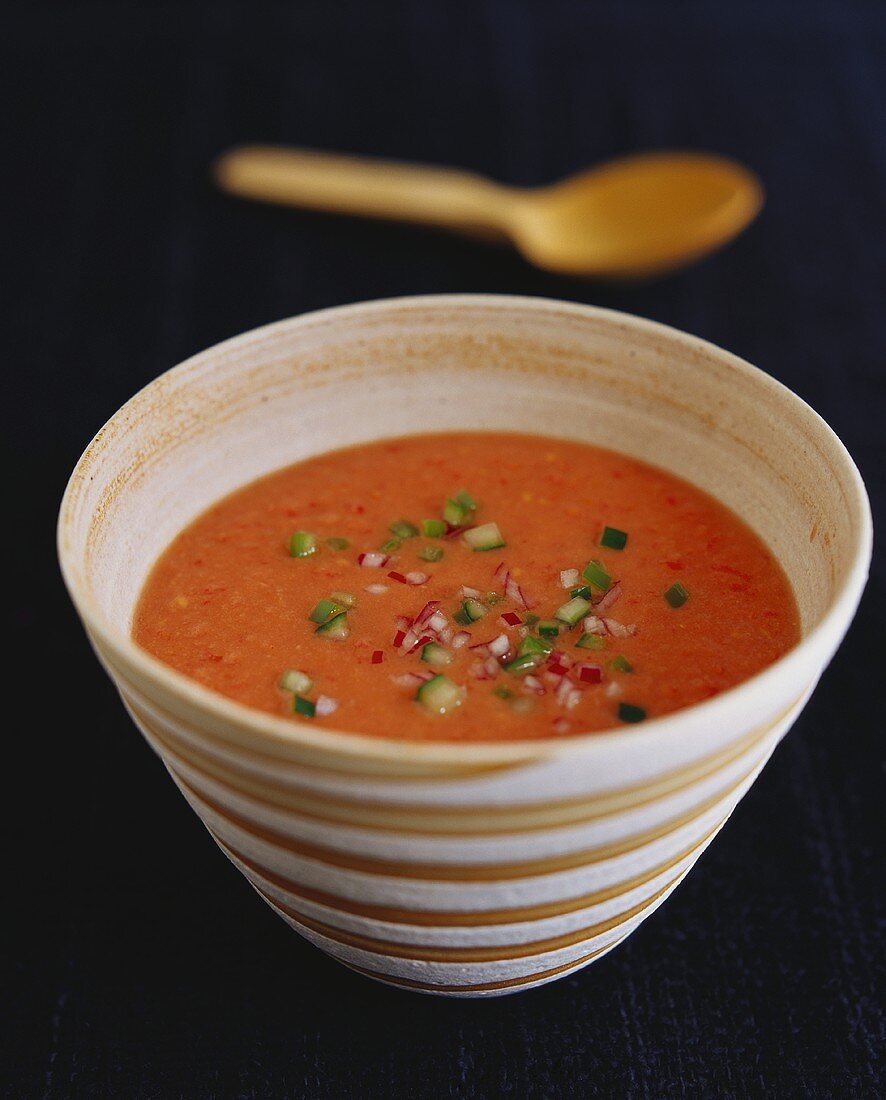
(629, 218)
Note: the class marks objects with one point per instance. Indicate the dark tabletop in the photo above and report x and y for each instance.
(136, 961)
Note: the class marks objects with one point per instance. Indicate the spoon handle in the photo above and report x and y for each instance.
(354, 185)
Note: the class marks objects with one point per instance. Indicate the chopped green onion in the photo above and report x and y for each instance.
(474, 610)
(676, 595)
(303, 706)
(336, 543)
(324, 610)
(440, 695)
(548, 628)
(620, 663)
(572, 611)
(485, 537)
(597, 575)
(464, 498)
(390, 545)
(530, 618)
(346, 599)
(538, 647)
(433, 528)
(302, 544)
(584, 592)
(336, 627)
(431, 553)
(436, 655)
(503, 692)
(455, 513)
(591, 641)
(525, 663)
(613, 539)
(403, 529)
(627, 712)
(298, 682)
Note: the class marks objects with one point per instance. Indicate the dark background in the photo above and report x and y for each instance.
(137, 962)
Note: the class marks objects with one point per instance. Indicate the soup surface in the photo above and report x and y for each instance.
(468, 586)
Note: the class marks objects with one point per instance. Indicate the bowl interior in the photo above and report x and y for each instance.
(343, 376)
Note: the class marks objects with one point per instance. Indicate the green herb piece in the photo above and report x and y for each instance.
(403, 529)
(433, 528)
(591, 641)
(455, 513)
(613, 539)
(676, 595)
(597, 575)
(302, 544)
(627, 712)
(464, 498)
(431, 553)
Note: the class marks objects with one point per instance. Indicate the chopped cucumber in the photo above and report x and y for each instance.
(462, 618)
(303, 706)
(324, 610)
(436, 655)
(464, 498)
(431, 553)
(433, 528)
(302, 544)
(440, 695)
(676, 595)
(535, 646)
(572, 611)
(591, 641)
(548, 628)
(627, 712)
(613, 539)
(474, 610)
(455, 513)
(584, 592)
(336, 627)
(485, 537)
(525, 663)
(346, 599)
(621, 664)
(596, 575)
(403, 529)
(390, 545)
(298, 682)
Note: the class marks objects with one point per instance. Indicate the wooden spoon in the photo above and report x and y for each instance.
(636, 216)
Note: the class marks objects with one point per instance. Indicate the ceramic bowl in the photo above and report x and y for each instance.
(462, 869)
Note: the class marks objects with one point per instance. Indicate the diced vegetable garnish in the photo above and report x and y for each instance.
(676, 595)
(455, 513)
(536, 646)
(589, 674)
(336, 628)
(433, 528)
(568, 577)
(336, 543)
(465, 499)
(403, 529)
(548, 628)
(440, 695)
(597, 575)
(431, 553)
(417, 577)
(613, 539)
(584, 591)
(627, 712)
(499, 646)
(374, 559)
(325, 706)
(462, 617)
(493, 598)
(346, 599)
(591, 641)
(502, 692)
(302, 544)
(298, 682)
(390, 546)
(525, 663)
(474, 610)
(377, 656)
(522, 706)
(571, 612)
(436, 655)
(511, 618)
(395, 576)
(376, 589)
(621, 664)
(530, 619)
(485, 537)
(324, 610)
(303, 706)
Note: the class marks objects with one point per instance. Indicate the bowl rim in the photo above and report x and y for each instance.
(279, 730)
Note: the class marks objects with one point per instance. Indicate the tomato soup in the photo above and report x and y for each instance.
(468, 586)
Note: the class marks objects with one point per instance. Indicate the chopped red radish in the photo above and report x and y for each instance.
(479, 649)
(569, 578)
(470, 593)
(511, 618)
(516, 593)
(563, 690)
(437, 622)
(609, 598)
(460, 638)
(532, 683)
(453, 530)
(427, 611)
(562, 725)
(419, 642)
(402, 622)
(373, 560)
(573, 699)
(376, 589)
(399, 638)
(445, 634)
(552, 678)
(417, 577)
(619, 630)
(377, 656)
(479, 671)
(592, 625)
(589, 674)
(501, 574)
(324, 706)
(559, 663)
(395, 576)
(492, 667)
(412, 679)
(499, 646)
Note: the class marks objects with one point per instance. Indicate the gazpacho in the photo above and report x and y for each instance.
(468, 586)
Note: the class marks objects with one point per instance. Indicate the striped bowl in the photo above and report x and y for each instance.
(462, 869)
